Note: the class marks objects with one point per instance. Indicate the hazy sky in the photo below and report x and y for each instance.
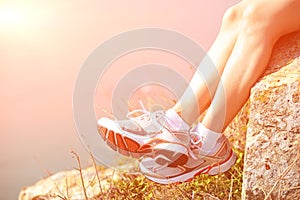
(42, 47)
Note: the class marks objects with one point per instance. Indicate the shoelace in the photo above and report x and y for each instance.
(197, 144)
(196, 138)
(146, 118)
(196, 141)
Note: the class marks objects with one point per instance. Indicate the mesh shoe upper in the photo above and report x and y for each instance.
(219, 159)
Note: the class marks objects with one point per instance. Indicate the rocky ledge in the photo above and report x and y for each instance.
(272, 164)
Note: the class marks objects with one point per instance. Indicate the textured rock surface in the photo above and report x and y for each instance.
(68, 184)
(115, 184)
(272, 164)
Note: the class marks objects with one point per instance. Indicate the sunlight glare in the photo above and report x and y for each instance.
(12, 16)
(19, 19)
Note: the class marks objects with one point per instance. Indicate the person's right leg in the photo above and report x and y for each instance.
(262, 26)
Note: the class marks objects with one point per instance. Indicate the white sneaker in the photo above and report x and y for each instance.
(152, 134)
(218, 159)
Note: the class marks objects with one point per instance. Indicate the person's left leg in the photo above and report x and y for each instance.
(200, 91)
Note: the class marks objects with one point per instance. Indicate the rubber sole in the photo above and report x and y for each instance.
(131, 145)
(211, 170)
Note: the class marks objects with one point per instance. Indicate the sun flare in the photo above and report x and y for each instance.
(12, 16)
(17, 18)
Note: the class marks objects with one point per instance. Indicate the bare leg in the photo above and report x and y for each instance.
(240, 54)
(263, 23)
(198, 95)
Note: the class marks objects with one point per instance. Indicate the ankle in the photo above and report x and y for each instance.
(210, 137)
(201, 127)
(212, 126)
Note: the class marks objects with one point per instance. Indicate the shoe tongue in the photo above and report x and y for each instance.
(154, 122)
(143, 120)
(148, 122)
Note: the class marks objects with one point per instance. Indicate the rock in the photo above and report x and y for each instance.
(68, 184)
(115, 184)
(272, 164)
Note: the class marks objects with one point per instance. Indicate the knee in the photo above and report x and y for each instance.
(232, 18)
(253, 20)
(246, 15)
(232, 15)
(248, 18)
(251, 14)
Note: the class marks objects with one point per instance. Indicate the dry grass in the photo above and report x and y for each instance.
(223, 186)
(135, 186)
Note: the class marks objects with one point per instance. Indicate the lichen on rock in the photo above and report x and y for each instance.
(272, 162)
